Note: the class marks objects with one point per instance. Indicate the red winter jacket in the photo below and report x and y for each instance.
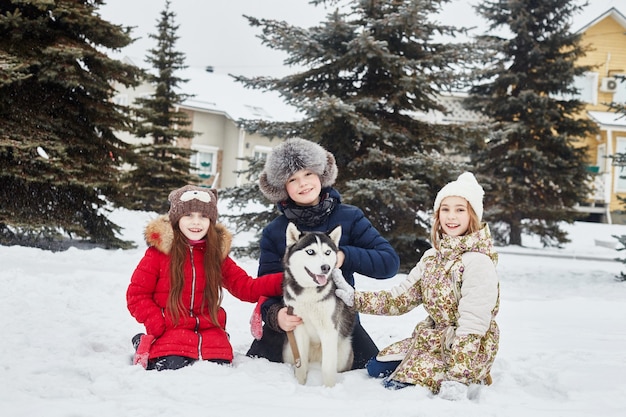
(195, 336)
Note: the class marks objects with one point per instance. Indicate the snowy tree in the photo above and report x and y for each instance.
(162, 164)
(368, 71)
(59, 156)
(534, 155)
(252, 210)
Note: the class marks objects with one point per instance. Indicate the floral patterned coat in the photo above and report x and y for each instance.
(458, 287)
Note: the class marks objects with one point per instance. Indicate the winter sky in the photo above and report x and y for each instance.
(215, 33)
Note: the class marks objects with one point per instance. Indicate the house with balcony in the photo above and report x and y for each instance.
(605, 36)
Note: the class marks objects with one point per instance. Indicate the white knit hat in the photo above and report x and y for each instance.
(467, 187)
(291, 156)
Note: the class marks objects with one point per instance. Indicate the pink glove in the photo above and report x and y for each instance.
(143, 350)
(256, 322)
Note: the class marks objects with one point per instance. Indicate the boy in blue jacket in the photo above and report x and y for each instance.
(298, 177)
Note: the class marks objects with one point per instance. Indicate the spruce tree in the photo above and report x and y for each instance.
(59, 157)
(162, 164)
(248, 210)
(368, 71)
(534, 155)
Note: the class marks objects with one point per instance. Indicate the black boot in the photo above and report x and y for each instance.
(136, 339)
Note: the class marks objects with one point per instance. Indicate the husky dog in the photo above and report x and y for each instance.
(325, 334)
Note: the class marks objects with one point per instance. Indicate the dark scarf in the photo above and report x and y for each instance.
(309, 216)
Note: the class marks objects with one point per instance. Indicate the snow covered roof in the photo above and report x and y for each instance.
(608, 119)
(220, 93)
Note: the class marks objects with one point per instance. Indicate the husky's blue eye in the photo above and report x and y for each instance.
(327, 252)
(310, 252)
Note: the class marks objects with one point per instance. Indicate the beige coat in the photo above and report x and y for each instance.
(458, 287)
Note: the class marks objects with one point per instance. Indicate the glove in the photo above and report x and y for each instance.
(344, 291)
(453, 391)
(256, 320)
(143, 351)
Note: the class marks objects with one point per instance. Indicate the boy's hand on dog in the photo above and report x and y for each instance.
(287, 321)
(344, 291)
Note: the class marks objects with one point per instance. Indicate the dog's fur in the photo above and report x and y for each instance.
(325, 334)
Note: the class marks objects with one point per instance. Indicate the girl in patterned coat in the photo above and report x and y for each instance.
(176, 289)
(457, 284)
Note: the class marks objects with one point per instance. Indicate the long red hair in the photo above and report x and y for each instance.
(213, 293)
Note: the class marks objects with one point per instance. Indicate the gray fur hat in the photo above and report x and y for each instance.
(289, 157)
(191, 198)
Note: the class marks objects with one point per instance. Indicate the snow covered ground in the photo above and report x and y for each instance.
(65, 342)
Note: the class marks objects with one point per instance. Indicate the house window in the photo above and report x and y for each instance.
(587, 87)
(204, 161)
(261, 152)
(121, 100)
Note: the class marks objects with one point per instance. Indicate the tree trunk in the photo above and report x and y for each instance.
(515, 237)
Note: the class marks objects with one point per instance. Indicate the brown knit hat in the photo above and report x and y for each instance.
(292, 156)
(191, 198)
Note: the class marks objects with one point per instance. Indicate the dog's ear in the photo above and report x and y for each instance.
(335, 235)
(293, 234)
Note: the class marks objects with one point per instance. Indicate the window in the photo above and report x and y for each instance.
(587, 88)
(261, 152)
(121, 100)
(204, 161)
(260, 155)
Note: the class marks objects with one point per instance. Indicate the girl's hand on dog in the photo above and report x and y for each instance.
(286, 321)
(344, 291)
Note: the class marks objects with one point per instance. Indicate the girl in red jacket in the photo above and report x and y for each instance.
(176, 290)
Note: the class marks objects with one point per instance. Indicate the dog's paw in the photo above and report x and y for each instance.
(301, 375)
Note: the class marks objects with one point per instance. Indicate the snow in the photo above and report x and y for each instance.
(66, 348)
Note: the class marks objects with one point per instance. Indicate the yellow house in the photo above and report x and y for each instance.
(606, 38)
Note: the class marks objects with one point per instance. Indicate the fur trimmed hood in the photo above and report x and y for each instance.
(159, 234)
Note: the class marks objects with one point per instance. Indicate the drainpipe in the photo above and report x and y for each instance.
(240, 150)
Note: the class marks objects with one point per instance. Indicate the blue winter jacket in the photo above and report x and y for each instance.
(367, 252)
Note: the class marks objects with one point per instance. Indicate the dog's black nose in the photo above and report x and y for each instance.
(325, 268)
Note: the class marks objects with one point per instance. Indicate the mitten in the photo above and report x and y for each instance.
(256, 321)
(344, 291)
(143, 351)
(453, 391)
